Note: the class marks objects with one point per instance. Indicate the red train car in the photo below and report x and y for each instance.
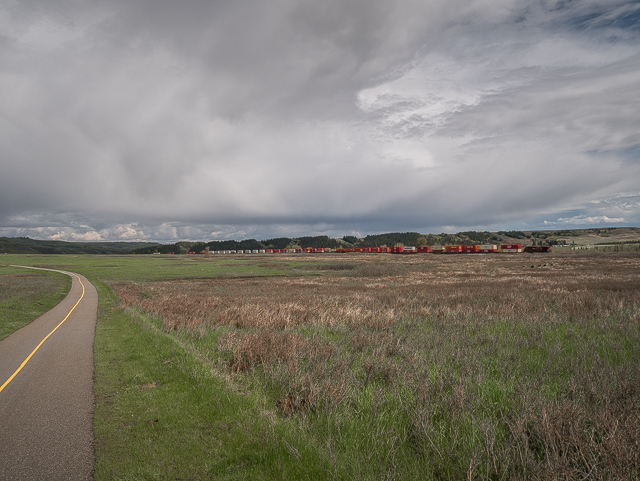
(511, 248)
(537, 249)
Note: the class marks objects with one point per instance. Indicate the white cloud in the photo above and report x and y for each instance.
(128, 232)
(86, 236)
(585, 220)
(153, 120)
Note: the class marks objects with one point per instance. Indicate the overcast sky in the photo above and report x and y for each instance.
(160, 120)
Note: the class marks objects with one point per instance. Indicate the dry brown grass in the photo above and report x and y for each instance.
(523, 366)
(525, 287)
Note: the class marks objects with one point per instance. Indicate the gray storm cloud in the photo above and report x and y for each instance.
(165, 120)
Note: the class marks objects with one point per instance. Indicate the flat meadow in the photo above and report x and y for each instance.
(429, 366)
(365, 366)
(26, 295)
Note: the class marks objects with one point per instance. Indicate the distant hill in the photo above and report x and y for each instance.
(546, 237)
(24, 245)
(247, 244)
(608, 235)
(415, 238)
(604, 235)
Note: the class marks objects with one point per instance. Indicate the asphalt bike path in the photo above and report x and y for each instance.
(46, 391)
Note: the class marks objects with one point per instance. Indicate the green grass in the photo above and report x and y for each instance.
(455, 395)
(161, 414)
(26, 294)
(130, 268)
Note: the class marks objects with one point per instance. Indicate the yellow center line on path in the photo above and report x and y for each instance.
(42, 342)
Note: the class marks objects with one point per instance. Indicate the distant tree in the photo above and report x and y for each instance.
(350, 239)
(250, 244)
(422, 241)
(479, 237)
(277, 243)
(514, 234)
(198, 246)
(317, 241)
(393, 238)
(228, 245)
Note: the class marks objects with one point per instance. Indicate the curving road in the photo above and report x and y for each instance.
(46, 407)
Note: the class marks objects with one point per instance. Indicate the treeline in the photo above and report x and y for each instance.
(247, 244)
(302, 242)
(25, 245)
(378, 240)
(417, 239)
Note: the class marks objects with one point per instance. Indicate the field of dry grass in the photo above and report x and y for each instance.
(447, 367)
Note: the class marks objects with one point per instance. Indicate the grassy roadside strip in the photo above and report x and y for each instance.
(161, 414)
(26, 294)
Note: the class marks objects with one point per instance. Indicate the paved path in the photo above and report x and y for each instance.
(46, 410)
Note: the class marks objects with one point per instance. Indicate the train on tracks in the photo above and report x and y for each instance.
(450, 249)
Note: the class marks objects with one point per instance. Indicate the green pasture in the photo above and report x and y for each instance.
(130, 268)
(27, 294)
(480, 403)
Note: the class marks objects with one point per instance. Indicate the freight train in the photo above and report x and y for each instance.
(452, 249)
